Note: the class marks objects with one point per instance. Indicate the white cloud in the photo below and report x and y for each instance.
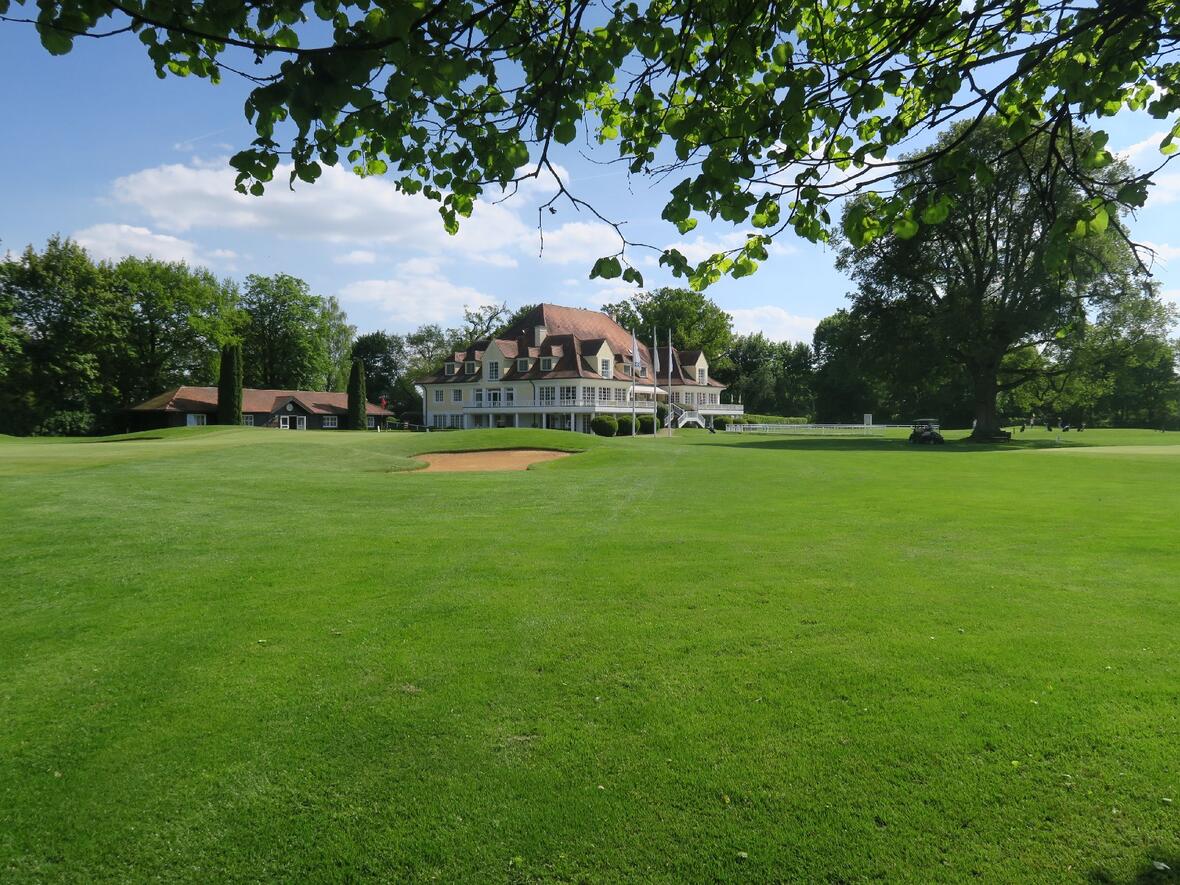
(700, 248)
(356, 256)
(413, 299)
(115, 241)
(420, 267)
(1147, 151)
(580, 241)
(1164, 252)
(340, 208)
(773, 322)
(1165, 189)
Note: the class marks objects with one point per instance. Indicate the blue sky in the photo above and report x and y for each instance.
(96, 147)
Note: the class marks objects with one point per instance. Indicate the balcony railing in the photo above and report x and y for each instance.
(714, 408)
(560, 405)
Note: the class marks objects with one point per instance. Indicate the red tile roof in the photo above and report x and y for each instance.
(204, 399)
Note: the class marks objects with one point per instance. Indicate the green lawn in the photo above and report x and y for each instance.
(250, 655)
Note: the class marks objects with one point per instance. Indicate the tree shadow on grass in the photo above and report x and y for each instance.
(1164, 869)
(876, 444)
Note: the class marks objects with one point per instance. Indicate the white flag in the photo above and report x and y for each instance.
(655, 352)
(636, 359)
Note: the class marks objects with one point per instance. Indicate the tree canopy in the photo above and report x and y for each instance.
(758, 114)
(996, 281)
(696, 322)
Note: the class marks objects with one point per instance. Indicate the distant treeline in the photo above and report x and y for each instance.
(82, 340)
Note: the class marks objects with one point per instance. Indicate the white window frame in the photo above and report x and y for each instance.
(479, 396)
(438, 394)
(457, 395)
(494, 396)
(371, 422)
(330, 422)
(522, 365)
(493, 371)
(620, 395)
(196, 419)
(247, 420)
(604, 394)
(547, 364)
(604, 368)
(452, 368)
(702, 376)
(509, 396)
(568, 395)
(589, 395)
(627, 369)
(700, 399)
(547, 394)
(471, 367)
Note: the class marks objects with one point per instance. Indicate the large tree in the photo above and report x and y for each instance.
(996, 278)
(229, 385)
(754, 113)
(282, 345)
(385, 359)
(71, 320)
(337, 334)
(175, 320)
(697, 323)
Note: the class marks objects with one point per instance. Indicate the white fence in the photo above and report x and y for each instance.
(820, 429)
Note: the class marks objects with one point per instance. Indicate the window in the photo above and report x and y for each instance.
(439, 420)
(569, 395)
(522, 365)
(620, 395)
(604, 368)
(702, 376)
(627, 369)
(546, 363)
(700, 399)
(471, 367)
(509, 395)
(643, 371)
(479, 396)
(546, 395)
(248, 420)
(675, 396)
(493, 371)
(604, 394)
(493, 396)
(194, 420)
(372, 422)
(457, 422)
(712, 399)
(330, 422)
(457, 395)
(588, 396)
(438, 395)
(452, 368)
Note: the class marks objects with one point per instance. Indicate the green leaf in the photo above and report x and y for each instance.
(905, 227)
(606, 269)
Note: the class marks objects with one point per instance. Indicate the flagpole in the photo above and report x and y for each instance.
(669, 379)
(634, 356)
(655, 383)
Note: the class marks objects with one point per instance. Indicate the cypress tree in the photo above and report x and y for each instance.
(229, 385)
(356, 396)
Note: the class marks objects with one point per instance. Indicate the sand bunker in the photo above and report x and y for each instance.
(467, 462)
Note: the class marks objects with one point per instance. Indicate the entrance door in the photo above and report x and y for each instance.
(300, 422)
(284, 422)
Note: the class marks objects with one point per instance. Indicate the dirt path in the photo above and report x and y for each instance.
(466, 462)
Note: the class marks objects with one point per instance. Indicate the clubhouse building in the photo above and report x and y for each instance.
(282, 409)
(561, 366)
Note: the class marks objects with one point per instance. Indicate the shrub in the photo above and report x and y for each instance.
(661, 413)
(66, 424)
(624, 426)
(720, 422)
(604, 425)
(647, 424)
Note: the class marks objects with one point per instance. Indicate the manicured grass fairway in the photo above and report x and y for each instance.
(244, 654)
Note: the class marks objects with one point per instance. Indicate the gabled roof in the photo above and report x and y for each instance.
(204, 399)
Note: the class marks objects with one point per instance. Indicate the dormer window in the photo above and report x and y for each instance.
(522, 365)
(627, 369)
(546, 363)
(604, 368)
(471, 367)
(493, 371)
(452, 368)
(702, 376)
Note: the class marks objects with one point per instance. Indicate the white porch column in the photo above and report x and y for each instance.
(516, 419)
(572, 425)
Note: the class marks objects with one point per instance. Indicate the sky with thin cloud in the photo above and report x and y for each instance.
(97, 148)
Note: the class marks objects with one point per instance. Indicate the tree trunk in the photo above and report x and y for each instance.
(987, 425)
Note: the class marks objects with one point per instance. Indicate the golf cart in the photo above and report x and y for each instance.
(925, 433)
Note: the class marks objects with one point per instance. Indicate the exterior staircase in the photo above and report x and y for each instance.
(679, 417)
